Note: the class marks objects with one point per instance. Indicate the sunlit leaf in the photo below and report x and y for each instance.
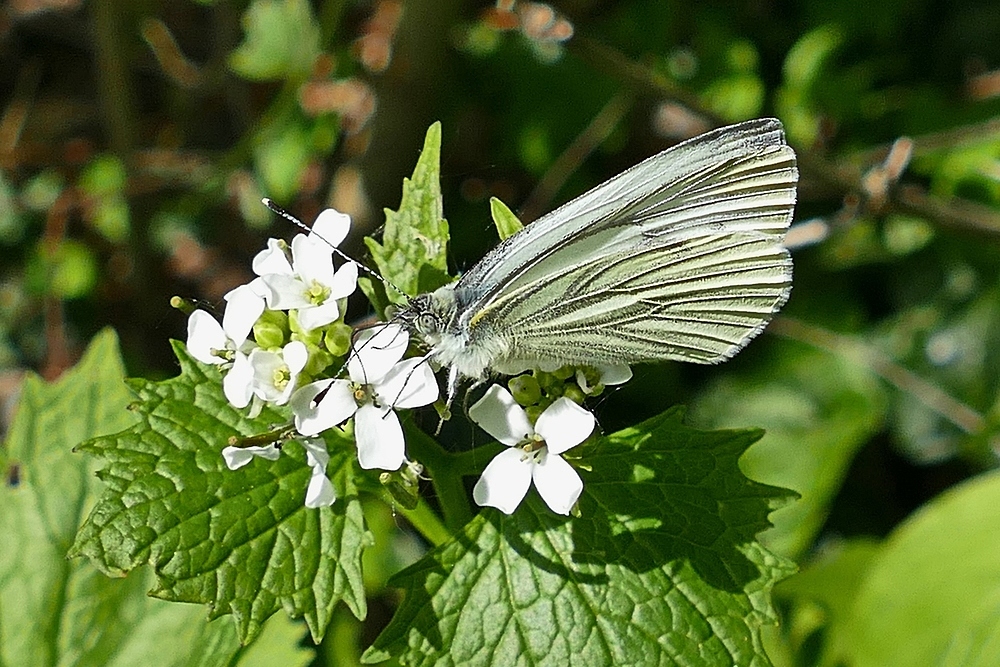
(662, 566)
(240, 541)
(817, 411)
(506, 222)
(933, 591)
(59, 611)
(282, 39)
(413, 252)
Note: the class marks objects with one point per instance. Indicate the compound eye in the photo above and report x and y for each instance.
(427, 323)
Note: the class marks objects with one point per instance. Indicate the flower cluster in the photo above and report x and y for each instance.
(282, 325)
(282, 341)
(303, 285)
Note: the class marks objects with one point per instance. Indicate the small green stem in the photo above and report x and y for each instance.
(427, 523)
(447, 481)
(473, 461)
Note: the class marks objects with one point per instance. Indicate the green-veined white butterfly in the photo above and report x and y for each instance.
(680, 257)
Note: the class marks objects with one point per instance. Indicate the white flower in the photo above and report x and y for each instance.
(609, 375)
(320, 492)
(379, 382)
(308, 284)
(237, 457)
(534, 453)
(274, 373)
(212, 343)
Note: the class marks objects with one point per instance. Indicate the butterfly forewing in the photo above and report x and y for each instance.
(740, 178)
(680, 258)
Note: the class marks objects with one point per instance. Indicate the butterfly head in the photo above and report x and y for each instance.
(429, 315)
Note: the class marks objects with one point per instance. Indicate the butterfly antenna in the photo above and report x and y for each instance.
(301, 225)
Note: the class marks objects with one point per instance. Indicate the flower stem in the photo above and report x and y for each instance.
(473, 461)
(427, 523)
(446, 479)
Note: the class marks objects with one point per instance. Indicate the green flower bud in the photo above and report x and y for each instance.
(319, 361)
(524, 389)
(271, 329)
(547, 380)
(564, 373)
(534, 412)
(312, 337)
(589, 379)
(338, 339)
(574, 393)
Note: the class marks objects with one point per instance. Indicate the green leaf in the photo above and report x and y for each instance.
(505, 220)
(104, 176)
(804, 66)
(661, 568)
(67, 270)
(11, 221)
(240, 541)
(933, 591)
(57, 611)
(820, 598)
(282, 40)
(413, 252)
(818, 411)
(736, 97)
(805, 60)
(280, 157)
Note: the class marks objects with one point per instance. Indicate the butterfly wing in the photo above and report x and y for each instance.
(680, 257)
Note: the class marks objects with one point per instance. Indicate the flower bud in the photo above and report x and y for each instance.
(525, 389)
(270, 329)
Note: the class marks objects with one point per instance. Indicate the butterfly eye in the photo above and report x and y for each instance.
(428, 323)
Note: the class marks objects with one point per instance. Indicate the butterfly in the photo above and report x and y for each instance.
(680, 257)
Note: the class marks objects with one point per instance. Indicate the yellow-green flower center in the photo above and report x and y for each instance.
(362, 393)
(281, 377)
(317, 293)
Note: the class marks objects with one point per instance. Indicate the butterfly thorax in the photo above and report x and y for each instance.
(439, 319)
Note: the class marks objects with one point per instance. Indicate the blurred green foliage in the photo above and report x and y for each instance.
(137, 139)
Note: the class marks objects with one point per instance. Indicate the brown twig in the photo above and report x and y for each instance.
(113, 74)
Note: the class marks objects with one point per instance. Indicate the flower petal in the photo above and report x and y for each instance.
(615, 374)
(563, 425)
(243, 307)
(498, 414)
(504, 482)
(312, 260)
(285, 292)
(557, 482)
(335, 407)
(204, 335)
(375, 352)
(272, 260)
(238, 383)
(318, 316)
(410, 384)
(379, 437)
(316, 454)
(345, 281)
(331, 226)
(320, 492)
(237, 457)
(296, 355)
(275, 373)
